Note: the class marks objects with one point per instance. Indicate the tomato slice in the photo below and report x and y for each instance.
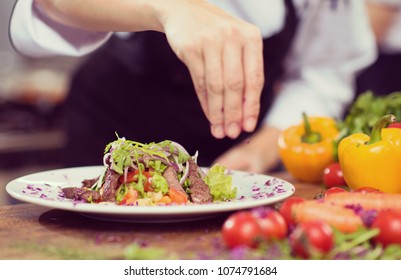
(177, 196)
(130, 197)
(132, 176)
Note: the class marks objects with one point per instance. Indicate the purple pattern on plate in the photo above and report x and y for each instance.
(43, 192)
(268, 189)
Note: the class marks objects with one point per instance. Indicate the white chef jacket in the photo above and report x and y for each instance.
(333, 42)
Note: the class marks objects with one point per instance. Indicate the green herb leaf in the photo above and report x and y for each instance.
(220, 184)
(159, 183)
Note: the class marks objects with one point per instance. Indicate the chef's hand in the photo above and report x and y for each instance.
(223, 53)
(224, 57)
(258, 154)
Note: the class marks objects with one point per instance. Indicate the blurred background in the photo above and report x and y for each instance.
(31, 123)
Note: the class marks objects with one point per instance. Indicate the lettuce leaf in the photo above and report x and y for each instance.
(220, 183)
(159, 183)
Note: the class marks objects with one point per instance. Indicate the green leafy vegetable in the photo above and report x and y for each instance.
(368, 109)
(157, 166)
(365, 112)
(159, 183)
(121, 192)
(220, 184)
(125, 152)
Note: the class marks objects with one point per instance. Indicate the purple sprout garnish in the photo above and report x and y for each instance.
(238, 253)
(368, 217)
(262, 212)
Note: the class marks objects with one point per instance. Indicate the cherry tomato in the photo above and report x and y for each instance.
(367, 190)
(333, 176)
(389, 224)
(272, 223)
(333, 190)
(286, 209)
(394, 125)
(242, 229)
(311, 237)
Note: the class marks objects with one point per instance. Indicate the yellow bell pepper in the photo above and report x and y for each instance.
(306, 149)
(373, 161)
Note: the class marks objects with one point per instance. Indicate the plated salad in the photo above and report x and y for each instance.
(162, 173)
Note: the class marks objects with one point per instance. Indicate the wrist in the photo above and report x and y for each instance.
(267, 135)
(161, 10)
(156, 12)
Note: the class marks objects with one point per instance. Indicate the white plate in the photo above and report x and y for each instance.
(44, 188)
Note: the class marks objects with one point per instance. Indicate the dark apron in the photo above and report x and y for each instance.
(140, 90)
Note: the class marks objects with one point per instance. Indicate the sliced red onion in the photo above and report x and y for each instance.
(174, 165)
(98, 184)
(105, 158)
(146, 159)
(200, 170)
(195, 157)
(179, 165)
(125, 174)
(180, 147)
(185, 175)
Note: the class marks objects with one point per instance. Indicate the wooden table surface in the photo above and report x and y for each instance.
(35, 232)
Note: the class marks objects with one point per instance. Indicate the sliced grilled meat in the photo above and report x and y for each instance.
(76, 193)
(88, 183)
(171, 177)
(200, 192)
(110, 186)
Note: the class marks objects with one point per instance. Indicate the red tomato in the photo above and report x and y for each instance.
(177, 196)
(367, 190)
(133, 177)
(394, 125)
(272, 223)
(333, 176)
(130, 177)
(130, 197)
(242, 229)
(333, 190)
(286, 209)
(389, 224)
(311, 237)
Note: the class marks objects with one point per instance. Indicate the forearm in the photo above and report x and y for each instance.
(105, 15)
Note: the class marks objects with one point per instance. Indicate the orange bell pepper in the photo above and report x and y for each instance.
(306, 149)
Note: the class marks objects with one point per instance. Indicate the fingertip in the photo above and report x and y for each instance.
(217, 131)
(233, 130)
(250, 124)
